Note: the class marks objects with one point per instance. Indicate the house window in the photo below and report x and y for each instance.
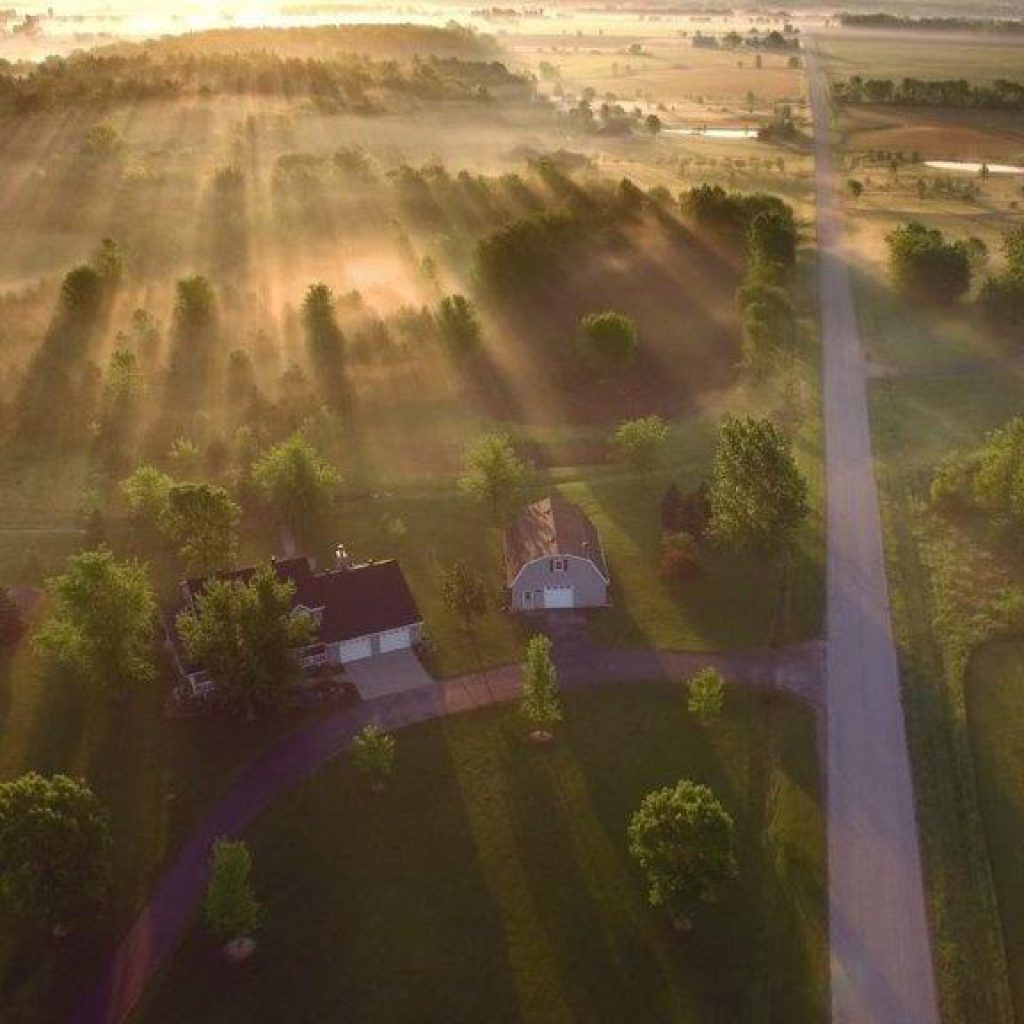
(558, 565)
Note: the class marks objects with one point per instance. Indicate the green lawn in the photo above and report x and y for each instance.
(491, 881)
(995, 718)
(155, 776)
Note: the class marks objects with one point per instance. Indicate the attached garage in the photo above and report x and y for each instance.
(559, 597)
(395, 640)
(355, 650)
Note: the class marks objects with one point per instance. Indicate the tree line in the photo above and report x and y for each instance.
(929, 267)
(1001, 94)
(343, 82)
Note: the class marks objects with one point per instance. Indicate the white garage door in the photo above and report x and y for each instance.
(559, 597)
(395, 640)
(355, 650)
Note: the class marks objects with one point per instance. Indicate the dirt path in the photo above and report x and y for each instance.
(160, 926)
(882, 969)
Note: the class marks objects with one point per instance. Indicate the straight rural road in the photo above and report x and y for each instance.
(882, 968)
(160, 925)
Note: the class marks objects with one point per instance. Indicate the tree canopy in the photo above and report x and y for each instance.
(245, 634)
(609, 340)
(373, 753)
(54, 850)
(230, 908)
(202, 520)
(642, 441)
(540, 703)
(101, 625)
(758, 496)
(298, 483)
(926, 266)
(494, 474)
(683, 839)
(464, 592)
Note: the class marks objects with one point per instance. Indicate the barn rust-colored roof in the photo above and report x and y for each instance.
(549, 529)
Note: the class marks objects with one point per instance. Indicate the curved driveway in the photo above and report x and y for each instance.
(881, 958)
(162, 922)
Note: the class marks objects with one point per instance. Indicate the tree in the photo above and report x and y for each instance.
(146, 493)
(758, 497)
(856, 187)
(464, 593)
(202, 520)
(54, 850)
(684, 841)
(680, 557)
(246, 635)
(298, 483)
(642, 441)
(653, 123)
(230, 908)
(609, 340)
(373, 754)
(101, 626)
(12, 625)
(458, 324)
(540, 703)
(772, 238)
(707, 694)
(926, 266)
(323, 335)
(494, 473)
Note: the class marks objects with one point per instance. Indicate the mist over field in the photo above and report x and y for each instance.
(370, 364)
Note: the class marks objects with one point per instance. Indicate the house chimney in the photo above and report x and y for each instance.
(341, 560)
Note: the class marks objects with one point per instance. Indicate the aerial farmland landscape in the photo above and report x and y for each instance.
(511, 513)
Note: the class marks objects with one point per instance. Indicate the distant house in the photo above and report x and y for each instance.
(554, 559)
(359, 611)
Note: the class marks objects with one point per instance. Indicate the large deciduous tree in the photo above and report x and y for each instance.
(464, 593)
(926, 266)
(245, 634)
(758, 496)
(683, 839)
(101, 626)
(298, 483)
(202, 520)
(494, 473)
(54, 850)
(641, 442)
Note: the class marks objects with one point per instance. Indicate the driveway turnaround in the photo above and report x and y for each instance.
(162, 922)
(882, 969)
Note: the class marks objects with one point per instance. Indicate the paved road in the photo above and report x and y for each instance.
(882, 969)
(160, 926)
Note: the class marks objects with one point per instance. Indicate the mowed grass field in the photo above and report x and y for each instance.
(995, 718)
(154, 775)
(491, 880)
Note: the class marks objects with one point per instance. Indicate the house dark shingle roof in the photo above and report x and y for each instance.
(357, 601)
(549, 529)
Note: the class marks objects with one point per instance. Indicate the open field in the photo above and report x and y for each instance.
(513, 861)
(874, 54)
